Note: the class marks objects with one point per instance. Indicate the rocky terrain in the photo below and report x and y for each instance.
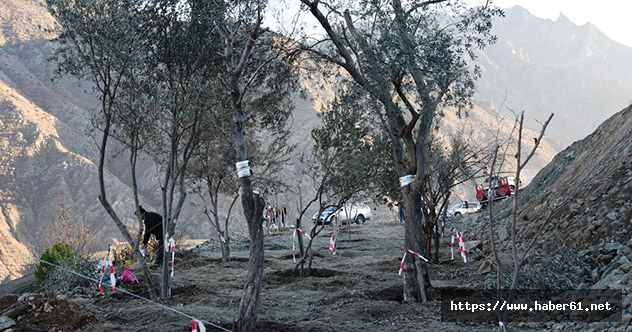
(585, 193)
(46, 158)
(359, 288)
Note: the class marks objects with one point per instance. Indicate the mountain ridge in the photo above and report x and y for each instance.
(544, 66)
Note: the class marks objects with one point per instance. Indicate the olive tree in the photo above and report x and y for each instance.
(98, 42)
(411, 58)
(177, 56)
(342, 165)
(258, 81)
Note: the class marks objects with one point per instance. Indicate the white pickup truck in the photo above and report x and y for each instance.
(357, 212)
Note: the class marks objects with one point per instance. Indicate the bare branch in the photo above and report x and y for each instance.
(422, 4)
(538, 140)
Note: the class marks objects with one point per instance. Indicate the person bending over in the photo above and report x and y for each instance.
(153, 225)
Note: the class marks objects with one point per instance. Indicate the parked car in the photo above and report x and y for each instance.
(460, 209)
(357, 212)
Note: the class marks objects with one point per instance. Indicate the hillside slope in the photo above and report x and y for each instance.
(596, 176)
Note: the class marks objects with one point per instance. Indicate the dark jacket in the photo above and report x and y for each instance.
(153, 225)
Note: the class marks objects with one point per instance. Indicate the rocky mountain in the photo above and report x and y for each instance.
(543, 66)
(46, 158)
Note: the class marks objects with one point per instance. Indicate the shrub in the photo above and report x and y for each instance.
(59, 254)
(59, 280)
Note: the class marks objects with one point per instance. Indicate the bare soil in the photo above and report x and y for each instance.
(358, 289)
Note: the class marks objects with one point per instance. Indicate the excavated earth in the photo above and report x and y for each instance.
(586, 244)
(358, 289)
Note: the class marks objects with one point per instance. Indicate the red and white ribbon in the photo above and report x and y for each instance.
(112, 277)
(170, 246)
(412, 252)
(101, 290)
(107, 262)
(452, 245)
(304, 233)
(462, 248)
(332, 243)
(458, 236)
(418, 255)
(401, 264)
(197, 326)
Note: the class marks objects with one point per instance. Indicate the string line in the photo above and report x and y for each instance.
(137, 296)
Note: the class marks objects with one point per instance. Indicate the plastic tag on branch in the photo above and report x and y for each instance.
(406, 180)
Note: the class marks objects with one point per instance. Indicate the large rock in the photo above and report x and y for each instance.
(503, 234)
(613, 246)
(6, 322)
(616, 279)
(612, 215)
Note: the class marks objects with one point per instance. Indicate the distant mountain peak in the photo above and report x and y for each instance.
(564, 19)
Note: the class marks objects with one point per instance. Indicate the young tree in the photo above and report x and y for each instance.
(180, 66)
(342, 166)
(410, 57)
(213, 166)
(98, 42)
(517, 259)
(451, 163)
(259, 81)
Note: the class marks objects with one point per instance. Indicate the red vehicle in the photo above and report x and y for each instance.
(499, 188)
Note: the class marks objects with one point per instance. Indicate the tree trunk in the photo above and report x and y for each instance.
(225, 250)
(436, 242)
(108, 208)
(253, 206)
(301, 248)
(429, 235)
(416, 277)
(226, 243)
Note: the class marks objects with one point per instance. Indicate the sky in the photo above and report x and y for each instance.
(612, 17)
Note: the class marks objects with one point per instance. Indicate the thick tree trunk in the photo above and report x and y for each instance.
(416, 277)
(253, 206)
(225, 250)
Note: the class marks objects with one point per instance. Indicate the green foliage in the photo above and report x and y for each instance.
(59, 254)
(346, 151)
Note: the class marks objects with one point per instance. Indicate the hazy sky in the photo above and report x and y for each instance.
(613, 17)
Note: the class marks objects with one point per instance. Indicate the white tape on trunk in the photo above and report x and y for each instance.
(243, 168)
(406, 180)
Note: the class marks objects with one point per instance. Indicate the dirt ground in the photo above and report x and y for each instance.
(358, 289)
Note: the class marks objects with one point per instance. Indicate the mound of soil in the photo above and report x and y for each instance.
(43, 312)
